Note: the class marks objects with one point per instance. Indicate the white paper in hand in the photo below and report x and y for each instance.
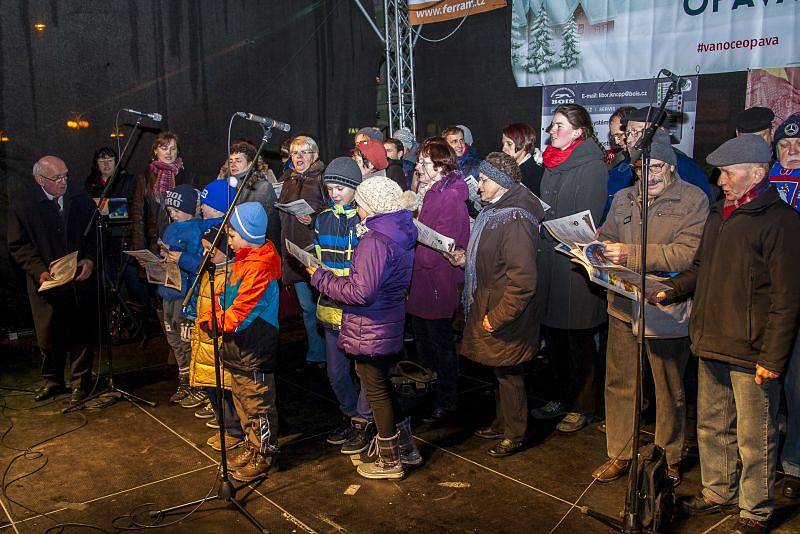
(297, 207)
(433, 239)
(62, 271)
(307, 259)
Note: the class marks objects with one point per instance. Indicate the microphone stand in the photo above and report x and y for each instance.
(99, 222)
(227, 491)
(631, 516)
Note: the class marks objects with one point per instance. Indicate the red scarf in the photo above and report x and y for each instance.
(165, 176)
(752, 194)
(553, 157)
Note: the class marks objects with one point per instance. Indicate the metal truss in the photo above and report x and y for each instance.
(401, 99)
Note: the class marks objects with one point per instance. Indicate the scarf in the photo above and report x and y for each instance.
(165, 176)
(491, 217)
(751, 194)
(554, 157)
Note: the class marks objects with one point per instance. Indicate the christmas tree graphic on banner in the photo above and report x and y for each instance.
(540, 52)
(570, 45)
(519, 41)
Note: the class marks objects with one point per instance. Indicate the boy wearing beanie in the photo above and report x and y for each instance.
(215, 199)
(247, 321)
(334, 241)
(180, 244)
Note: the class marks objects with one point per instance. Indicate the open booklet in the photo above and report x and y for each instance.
(158, 271)
(304, 257)
(433, 239)
(575, 234)
(62, 271)
(297, 207)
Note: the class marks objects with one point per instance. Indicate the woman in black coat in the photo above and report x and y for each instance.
(519, 142)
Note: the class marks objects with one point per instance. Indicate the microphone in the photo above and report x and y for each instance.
(681, 84)
(152, 116)
(266, 121)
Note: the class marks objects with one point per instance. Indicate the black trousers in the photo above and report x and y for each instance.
(68, 330)
(574, 357)
(374, 374)
(437, 351)
(511, 402)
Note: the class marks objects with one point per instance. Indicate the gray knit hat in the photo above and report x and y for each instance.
(746, 148)
(405, 136)
(343, 171)
(661, 148)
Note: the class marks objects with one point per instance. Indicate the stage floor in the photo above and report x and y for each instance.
(113, 460)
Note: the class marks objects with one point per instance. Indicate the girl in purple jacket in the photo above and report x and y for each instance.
(434, 294)
(374, 298)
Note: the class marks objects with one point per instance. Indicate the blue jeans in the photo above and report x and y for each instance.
(308, 302)
(790, 457)
(230, 421)
(350, 403)
(737, 417)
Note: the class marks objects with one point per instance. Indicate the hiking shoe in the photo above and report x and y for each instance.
(551, 410)
(235, 461)
(260, 465)
(230, 442)
(341, 434)
(205, 412)
(572, 422)
(363, 432)
(194, 399)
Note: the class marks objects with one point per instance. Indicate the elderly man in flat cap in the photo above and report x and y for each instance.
(756, 120)
(743, 324)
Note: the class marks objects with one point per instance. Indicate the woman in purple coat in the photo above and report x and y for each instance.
(373, 316)
(435, 283)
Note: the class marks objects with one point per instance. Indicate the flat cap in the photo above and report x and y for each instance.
(754, 120)
(747, 148)
(645, 114)
(661, 148)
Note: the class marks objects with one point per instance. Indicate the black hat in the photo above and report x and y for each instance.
(746, 148)
(343, 171)
(645, 114)
(788, 128)
(222, 246)
(182, 197)
(754, 120)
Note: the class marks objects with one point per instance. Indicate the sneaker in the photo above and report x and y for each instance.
(363, 432)
(340, 435)
(195, 399)
(260, 465)
(230, 442)
(212, 423)
(180, 394)
(205, 412)
(572, 422)
(551, 410)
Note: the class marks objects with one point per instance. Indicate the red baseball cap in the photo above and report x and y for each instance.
(373, 150)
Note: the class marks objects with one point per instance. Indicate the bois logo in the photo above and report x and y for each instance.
(562, 95)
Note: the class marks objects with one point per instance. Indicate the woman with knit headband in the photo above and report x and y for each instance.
(500, 294)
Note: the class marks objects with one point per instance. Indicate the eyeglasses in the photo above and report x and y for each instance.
(656, 168)
(301, 152)
(634, 133)
(423, 162)
(57, 178)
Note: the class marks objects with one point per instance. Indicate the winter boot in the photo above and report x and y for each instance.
(260, 465)
(183, 390)
(236, 461)
(388, 465)
(409, 454)
(364, 431)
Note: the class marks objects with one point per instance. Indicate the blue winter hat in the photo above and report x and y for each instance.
(218, 195)
(250, 220)
(183, 198)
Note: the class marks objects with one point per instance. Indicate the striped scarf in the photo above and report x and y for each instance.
(165, 176)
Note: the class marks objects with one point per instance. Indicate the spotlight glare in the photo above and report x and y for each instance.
(39, 26)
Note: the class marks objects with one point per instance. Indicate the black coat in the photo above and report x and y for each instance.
(397, 174)
(38, 235)
(532, 175)
(746, 285)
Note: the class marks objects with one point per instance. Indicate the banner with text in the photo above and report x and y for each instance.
(603, 98)
(427, 11)
(567, 41)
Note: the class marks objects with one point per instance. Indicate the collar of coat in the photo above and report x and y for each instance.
(760, 203)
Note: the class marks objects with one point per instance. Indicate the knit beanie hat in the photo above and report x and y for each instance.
(222, 245)
(661, 148)
(380, 194)
(405, 136)
(183, 198)
(250, 220)
(343, 171)
(371, 132)
(375, 152)
(218, 195)
(467, 134)
(789, 128)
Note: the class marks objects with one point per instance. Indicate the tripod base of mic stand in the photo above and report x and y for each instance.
(614, 523)
(226, 493)
(111, 390)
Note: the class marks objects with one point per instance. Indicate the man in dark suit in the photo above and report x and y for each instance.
(44, 224)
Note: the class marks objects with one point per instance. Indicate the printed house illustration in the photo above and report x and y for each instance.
(592, 17)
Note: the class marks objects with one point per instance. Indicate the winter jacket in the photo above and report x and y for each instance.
(38, 235)
(532, 175)
(746, 308)
(397, 174)
(201, 366)
(149, 217)
(247, 311)
(260, 190)
(468, 163)
(183, 237)
(374, 294)
(621, 176)
(507, 286)
(570, 301)
(674, 227)
(435, 283)
(308, 186)
(335, 241)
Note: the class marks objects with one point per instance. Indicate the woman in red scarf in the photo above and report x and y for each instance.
(148, 215)
(574, 180)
